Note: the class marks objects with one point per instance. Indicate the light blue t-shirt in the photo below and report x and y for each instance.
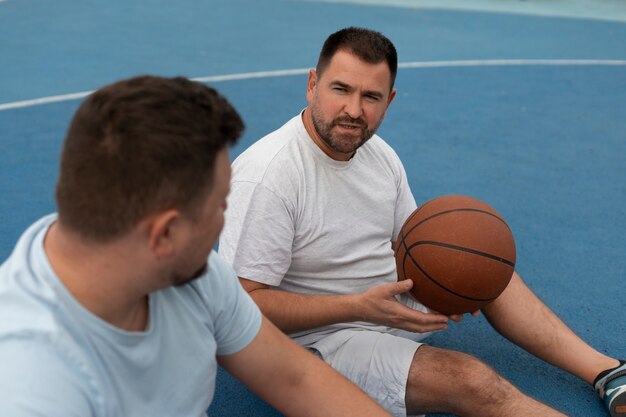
(59, 359)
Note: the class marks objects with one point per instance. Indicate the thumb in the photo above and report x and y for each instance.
(402, 286)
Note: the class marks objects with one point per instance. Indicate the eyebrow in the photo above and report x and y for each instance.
(373, 93)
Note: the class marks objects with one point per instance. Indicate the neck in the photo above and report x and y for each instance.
(97, 276)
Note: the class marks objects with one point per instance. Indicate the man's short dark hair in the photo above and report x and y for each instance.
(138, 146)
(368, 45)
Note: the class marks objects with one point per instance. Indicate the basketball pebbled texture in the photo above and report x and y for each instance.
(459, 252)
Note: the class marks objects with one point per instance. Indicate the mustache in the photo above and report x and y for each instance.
(349, 120)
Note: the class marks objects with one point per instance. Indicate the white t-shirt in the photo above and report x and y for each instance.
(59, 359)
(302, 222)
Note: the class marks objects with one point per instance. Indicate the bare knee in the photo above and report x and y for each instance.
(454, 382)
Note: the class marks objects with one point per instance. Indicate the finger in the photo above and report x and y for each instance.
(417, 321)
(424, 328)
(416, 316)
(456, 317)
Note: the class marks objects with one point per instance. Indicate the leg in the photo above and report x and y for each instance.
(522, 318)
(445, 381)
(406, 377)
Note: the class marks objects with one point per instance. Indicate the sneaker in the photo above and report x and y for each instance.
(611, 387)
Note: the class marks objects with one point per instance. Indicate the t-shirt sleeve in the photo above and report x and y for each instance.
(258, 234)
(37, 380)
(237, 319)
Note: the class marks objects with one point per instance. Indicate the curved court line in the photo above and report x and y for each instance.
(576, 9)
(301, 71)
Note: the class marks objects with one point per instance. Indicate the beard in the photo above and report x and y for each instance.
(344, 143)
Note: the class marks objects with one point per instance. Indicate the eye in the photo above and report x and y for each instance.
(339, 89)
(372, 97)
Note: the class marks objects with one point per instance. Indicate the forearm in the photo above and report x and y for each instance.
(292, 312)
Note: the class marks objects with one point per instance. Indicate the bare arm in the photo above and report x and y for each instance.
(301, 384)
(292, 312)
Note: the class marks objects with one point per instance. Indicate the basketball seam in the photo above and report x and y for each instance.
(441, 213)
(462, 249)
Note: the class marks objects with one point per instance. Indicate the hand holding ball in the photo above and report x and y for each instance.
(458, 251)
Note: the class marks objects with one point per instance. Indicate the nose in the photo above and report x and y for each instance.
(353, 106)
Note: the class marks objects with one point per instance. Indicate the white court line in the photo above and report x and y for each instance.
(510, 62)
(301, 71)
(249, 75)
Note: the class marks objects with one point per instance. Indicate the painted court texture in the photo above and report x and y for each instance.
(523, 107)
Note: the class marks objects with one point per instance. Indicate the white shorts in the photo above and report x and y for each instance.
(378, 362)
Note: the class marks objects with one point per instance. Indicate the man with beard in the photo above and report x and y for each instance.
(110, 307)
(313, 213)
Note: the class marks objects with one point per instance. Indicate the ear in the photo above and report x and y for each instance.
(311, 84)
(160, 229)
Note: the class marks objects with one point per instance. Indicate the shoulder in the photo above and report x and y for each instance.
(28, 300)
(36, 331)
(275, 164)
(29, 247)
(270, 154)
(235, 317)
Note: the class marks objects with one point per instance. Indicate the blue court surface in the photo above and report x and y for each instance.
(519, 103)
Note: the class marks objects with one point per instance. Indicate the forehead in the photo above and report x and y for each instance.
(347, 68)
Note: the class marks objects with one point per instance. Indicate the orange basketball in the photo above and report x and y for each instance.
(459, 252)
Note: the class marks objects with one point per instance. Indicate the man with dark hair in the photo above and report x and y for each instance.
(111, 308)
(313, 214)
